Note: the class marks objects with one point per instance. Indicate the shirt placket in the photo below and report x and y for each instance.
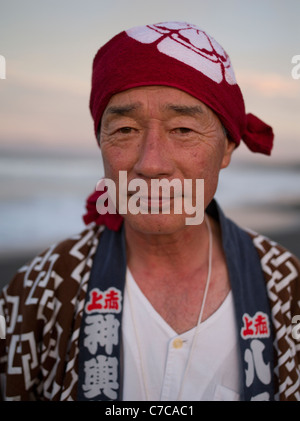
(177, 355)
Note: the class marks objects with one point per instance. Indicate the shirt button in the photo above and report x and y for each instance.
(177, 343)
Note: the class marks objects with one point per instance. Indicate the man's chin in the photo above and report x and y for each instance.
(155, 224)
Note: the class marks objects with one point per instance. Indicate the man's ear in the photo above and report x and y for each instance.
(228, 150)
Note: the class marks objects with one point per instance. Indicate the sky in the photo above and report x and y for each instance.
(49, 47)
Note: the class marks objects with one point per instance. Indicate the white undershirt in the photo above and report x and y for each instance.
(214, 367)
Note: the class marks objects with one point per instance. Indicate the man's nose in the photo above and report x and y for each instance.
(155, 155)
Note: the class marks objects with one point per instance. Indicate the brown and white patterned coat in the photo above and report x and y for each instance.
(43, 307)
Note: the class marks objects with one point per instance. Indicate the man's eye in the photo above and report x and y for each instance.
(183, 130)
(125, 130)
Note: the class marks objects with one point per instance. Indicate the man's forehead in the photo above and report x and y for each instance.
(128, 109)
(166, 99)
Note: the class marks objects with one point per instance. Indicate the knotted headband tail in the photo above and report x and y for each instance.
(111, 221)
(258, 135)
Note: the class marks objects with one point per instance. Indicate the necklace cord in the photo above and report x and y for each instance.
(210, 249)
(210, 244)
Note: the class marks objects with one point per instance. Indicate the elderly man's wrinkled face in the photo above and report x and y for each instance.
(160, 132)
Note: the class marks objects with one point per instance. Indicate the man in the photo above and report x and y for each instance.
(143, 305)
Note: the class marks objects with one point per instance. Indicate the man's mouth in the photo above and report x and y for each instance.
(155, 202)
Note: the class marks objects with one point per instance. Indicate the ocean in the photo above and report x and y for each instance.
(42, 198)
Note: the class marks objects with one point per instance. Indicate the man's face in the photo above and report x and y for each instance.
(156, 133)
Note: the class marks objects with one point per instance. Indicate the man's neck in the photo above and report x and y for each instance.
(161, 253)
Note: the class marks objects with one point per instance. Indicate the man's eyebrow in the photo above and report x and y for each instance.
(122, 109)
(189, 110)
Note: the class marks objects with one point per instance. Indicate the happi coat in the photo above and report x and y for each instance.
(52, 300)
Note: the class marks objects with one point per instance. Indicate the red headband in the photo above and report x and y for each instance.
(182, 56)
